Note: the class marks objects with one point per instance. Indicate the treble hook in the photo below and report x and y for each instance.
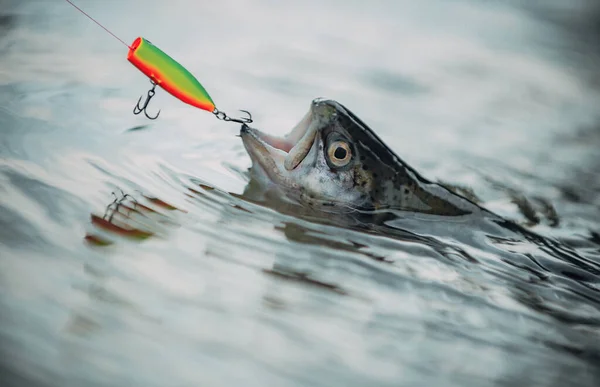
(222, 116)
(137, 109)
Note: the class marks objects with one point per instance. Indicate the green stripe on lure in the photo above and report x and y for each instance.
(167, 73)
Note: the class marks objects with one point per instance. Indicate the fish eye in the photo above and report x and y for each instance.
(339, 153)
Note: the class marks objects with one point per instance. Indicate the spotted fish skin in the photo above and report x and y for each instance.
(370, 177)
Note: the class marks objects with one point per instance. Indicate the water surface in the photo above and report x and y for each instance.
(193, 283)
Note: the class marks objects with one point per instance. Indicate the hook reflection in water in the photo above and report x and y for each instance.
(129, 218)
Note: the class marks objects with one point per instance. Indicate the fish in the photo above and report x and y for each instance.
(333, 163)
(331, 160)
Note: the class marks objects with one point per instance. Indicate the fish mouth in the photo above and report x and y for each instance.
(279, 156)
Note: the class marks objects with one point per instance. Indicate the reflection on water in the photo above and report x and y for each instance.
(139, 253)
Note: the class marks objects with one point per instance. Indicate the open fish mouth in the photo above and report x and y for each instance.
(280, 155)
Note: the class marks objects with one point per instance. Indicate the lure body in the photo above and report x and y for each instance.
(169, 74)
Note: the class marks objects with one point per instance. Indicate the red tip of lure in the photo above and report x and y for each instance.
(143, 63)
(133, 47)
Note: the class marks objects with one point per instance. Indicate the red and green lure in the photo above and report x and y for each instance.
(167, 73)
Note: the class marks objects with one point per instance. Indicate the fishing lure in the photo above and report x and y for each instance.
(167, 73)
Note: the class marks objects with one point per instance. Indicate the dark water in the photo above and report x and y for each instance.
(197, 285)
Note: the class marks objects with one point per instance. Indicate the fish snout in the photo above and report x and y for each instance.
(324, 110)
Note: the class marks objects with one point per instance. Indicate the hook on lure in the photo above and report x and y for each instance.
(224, 117)
(138, 109)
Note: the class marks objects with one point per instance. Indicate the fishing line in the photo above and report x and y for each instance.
(95, 21)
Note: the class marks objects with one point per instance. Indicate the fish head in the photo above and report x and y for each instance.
(330, 159)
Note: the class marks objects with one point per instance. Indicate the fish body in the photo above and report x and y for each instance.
(333, 160)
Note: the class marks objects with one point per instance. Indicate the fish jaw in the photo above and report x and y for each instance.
(266, 153)
(279, 158)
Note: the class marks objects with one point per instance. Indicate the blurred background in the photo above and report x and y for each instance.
(187, 283)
